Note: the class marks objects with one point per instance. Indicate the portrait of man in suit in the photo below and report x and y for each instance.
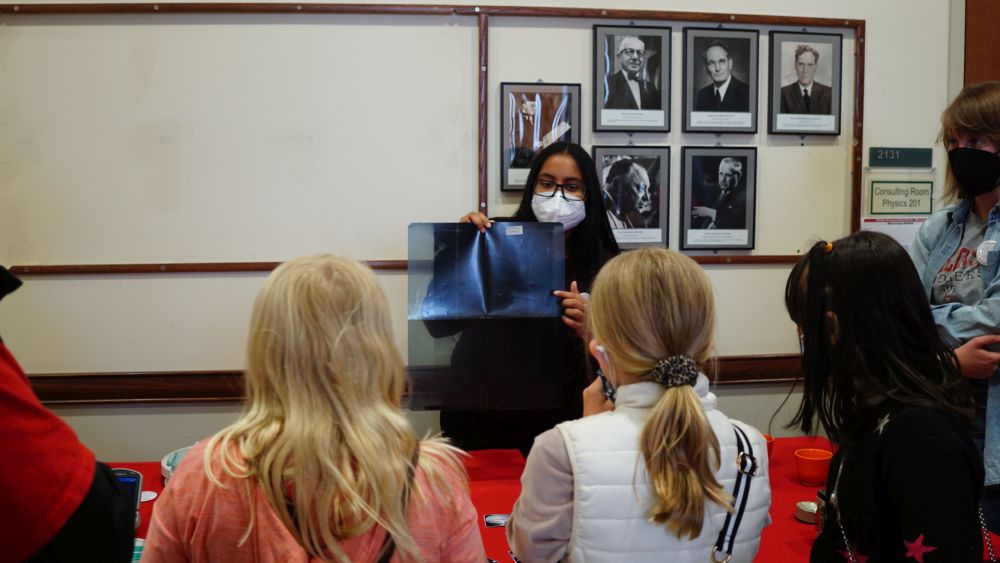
(805, 95)
(630, 198)
(630, 86)
(729, 210)
(725, 92)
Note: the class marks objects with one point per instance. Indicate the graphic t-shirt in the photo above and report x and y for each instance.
(959, 280)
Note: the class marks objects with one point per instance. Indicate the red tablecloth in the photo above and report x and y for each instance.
(787, 539)
(494, 482)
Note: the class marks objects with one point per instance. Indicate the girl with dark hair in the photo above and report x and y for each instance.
(958, 259)
(906, 480)
(562, 187)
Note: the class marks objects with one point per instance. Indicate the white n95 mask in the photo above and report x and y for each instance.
(558, 210)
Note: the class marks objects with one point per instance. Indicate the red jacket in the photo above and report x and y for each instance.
(45, 472)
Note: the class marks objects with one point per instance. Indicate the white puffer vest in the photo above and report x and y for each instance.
(611, 492)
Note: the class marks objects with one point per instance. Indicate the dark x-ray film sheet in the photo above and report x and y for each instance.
(509, 271)
(484, 328)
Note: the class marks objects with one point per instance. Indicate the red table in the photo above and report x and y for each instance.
(494, 483)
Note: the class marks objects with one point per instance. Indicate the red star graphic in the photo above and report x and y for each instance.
(916, 549)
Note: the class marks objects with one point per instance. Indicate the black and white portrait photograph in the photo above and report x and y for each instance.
(718, 197)
(635, 185)
(720, 80)
(805, 83)
(631, 78)
(532, 117)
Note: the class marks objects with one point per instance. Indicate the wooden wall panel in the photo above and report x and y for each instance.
(982, 19)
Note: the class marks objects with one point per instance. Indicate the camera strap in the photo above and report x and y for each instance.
(746, 469)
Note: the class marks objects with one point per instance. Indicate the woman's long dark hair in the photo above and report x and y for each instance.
(592, 242)
(887, 345)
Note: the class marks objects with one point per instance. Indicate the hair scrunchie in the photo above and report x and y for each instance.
(676, 371)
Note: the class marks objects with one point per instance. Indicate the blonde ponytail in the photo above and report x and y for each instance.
(649, 305)
(682, 456)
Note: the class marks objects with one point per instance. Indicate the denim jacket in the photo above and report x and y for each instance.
(936, 242)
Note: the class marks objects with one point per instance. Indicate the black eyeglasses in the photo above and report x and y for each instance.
(632, 53)
(570, 192)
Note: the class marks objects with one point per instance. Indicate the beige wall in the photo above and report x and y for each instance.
(145, 139)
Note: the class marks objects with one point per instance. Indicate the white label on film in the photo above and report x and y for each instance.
(644, 117)
(721, 119)
(517, 176)
(638, 235)
(718, 236)
(514, 231)
(806, 122)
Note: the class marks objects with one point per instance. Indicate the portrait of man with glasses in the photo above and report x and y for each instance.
(628, 84)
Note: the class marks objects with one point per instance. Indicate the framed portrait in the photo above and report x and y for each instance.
(635, 187)
(720, 80)
(533, 116)
(631, 78)
(718, 197)
(805, 83)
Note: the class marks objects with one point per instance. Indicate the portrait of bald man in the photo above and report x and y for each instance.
(729, 210)
(725, 92)
(629, 86)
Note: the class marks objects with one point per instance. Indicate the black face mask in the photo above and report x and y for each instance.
(976, 171)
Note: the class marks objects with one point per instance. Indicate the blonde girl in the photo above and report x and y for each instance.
(651, 476)
(322, 464)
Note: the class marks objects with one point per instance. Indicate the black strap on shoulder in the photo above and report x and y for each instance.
(746, 469)
(389, 546)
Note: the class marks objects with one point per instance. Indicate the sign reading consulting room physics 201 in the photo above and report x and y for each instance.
(901, 198)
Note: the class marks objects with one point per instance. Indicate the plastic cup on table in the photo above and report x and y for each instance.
(769, 439)
(812, 465)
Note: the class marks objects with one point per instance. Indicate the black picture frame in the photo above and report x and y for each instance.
(788, 111)
(616, 107)
(732, 224)
(635, 185)
(532, 116)
(738, 111)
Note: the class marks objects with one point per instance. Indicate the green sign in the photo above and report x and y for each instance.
(896, 157)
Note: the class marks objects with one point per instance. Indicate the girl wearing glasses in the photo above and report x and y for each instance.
(562, 187)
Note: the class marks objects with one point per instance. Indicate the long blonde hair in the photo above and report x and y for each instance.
(648, 305)
(322, 433)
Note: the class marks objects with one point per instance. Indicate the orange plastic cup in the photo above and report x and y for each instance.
(769, 439)
(812, 465)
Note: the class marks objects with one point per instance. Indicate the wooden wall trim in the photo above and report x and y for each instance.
(236, 267)
(138, 387)
(170, 268)
(859, 118)
(416, 10)
(227, 385)
(484, 129)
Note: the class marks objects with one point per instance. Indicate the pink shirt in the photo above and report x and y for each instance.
(195, 520)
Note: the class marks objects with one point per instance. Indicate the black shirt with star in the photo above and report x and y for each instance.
(909, 491)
